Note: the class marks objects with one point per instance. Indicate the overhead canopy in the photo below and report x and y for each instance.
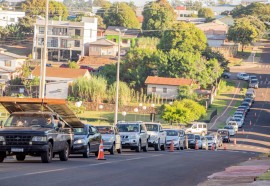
(57, 106)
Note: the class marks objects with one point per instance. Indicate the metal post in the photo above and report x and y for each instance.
(43, 62)
(117, 76)
(117, 80)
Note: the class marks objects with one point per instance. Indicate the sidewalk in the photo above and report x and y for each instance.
(243, 174)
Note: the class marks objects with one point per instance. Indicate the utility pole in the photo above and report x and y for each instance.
(44, 60)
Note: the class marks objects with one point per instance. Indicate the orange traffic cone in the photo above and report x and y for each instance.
(234, 141)
(172, 146)
(196, 145)
(101, 151)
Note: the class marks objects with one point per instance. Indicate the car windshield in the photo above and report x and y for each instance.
(245, 75)
(105, 129)
(172, 133)
(197, 137)
(152, 127)
(80, 131)
(128, 127)
(209, 137)
(190, 136)
(228, 127)
(254, 81)
(237, 119)
(29, 120)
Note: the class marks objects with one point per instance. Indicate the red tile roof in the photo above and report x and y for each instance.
(168, 81)
(96, 61)
(61, 72)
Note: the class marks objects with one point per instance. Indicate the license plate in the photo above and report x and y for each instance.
(16, 149)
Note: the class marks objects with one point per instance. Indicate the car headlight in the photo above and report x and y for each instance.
(132, 137)
(80, 141)
(39, 138)
(2, 138)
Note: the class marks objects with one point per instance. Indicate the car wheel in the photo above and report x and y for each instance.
(87, 151)
(178, 148)
(63, 155)
(2, 158)
(145, 148)
(138, 148)
(46, 157)
(119, 151)
(20, 157)
(163, 147)
(157, 146)
(112, 150)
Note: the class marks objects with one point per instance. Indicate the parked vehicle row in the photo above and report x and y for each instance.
(253, 81)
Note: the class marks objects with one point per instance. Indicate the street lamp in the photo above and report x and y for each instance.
(100, 107)
(144, 108)
(124, 114)
(136, 110)
(152, 114)
(170, 103)
(117, 75)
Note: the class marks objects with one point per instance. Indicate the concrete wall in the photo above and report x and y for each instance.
(172, 91)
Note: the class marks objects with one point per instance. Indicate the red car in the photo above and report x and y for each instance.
(90, 69)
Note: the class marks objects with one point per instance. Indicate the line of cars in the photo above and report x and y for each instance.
(253, 81)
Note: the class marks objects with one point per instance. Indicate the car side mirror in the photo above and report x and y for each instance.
(91, 133)
(142, 131)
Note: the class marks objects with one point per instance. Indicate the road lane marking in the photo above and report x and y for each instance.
(76, 167)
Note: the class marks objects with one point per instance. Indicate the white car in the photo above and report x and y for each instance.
(234, 124)
(157, 136)
(175, 136)
(239, 121)
(230, 128)
(243, 76)
(134, 136)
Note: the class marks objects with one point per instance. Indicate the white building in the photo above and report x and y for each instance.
(66, 40)
(10, 17)
(10, 65)
(166, 88)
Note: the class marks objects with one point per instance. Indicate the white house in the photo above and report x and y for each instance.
(66, 40)
(166, 88)
(10, 17)
(9, 65)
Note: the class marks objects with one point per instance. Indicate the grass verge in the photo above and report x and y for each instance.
(265, 176)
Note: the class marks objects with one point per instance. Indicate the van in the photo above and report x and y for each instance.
(197, 128)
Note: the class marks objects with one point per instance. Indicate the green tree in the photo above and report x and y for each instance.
(158, 16)
(176, 3)
(259, 10)
(243, 32)
(121, 14)
(124, 93)
(73, 64)
(206, 13)
(184, 111)
(197, 5)
(184, 37)
(26, 25)
(100, 3)
(34, 8)
(187, 92)
(93, 89)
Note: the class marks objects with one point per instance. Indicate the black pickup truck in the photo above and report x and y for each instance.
(37, 127)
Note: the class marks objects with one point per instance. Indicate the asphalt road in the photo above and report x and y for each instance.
(187, 167)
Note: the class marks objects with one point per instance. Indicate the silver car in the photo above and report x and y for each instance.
(174, 136)
(111, 138)
(157, 136)
(134, 136)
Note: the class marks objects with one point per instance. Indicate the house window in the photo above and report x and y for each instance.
(114, 40)
(40, 41)
(164, 90)
(41, 30)
(125, 41)
(77, 43)
(154, 89)
(77, 32)
(8, 63)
